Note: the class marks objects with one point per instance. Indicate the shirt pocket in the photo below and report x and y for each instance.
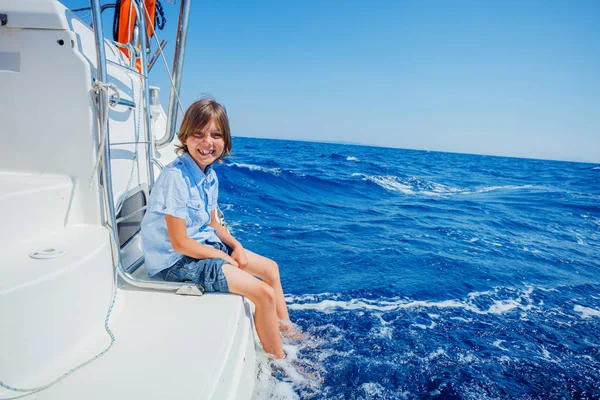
(197, 216)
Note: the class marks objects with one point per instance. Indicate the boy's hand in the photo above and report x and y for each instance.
(229, 260)
(239, 255)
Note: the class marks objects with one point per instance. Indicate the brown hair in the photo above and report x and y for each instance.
(200, 114)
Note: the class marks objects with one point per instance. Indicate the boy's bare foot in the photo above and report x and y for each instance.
(291, 331)
(281, 356)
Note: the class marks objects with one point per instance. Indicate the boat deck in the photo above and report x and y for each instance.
(161, 340)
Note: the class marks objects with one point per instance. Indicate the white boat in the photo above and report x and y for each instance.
(80, 319)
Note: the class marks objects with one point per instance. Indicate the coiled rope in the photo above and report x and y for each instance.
(96, 92)
(159, 17)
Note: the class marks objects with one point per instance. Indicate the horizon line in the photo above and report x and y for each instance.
(423, 150)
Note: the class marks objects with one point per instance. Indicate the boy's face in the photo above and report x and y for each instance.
(206, 145)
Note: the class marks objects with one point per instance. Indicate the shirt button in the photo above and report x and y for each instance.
(164, 207)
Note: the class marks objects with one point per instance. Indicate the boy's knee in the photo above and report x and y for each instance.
(266, 294)
(272, 272)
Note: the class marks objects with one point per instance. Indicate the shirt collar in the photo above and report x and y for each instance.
(194, 169)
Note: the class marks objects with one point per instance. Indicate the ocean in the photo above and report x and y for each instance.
(423, 275)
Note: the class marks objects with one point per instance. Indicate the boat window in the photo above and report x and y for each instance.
(132, 207)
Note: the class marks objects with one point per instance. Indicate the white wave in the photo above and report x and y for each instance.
(226, 206)
(467, 358)
(391, 183)
(297, 374)
(267, 386)
(374, 390)
(504, 359)
(546, 355)
(586, 312)
(252, 167)
(596, 168)
(498, 344)
(461, 319)
(472, 295)
(521, 302)
(507, 187)
(417, 186)
(547, 289)
(383, 330)
(291, 298)
(421, 326)
(350, 158)
(439, 352)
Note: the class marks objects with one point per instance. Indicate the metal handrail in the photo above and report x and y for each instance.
(157, 162)
(140, 16)
(121, 102)
(105, 177)
(180, 44)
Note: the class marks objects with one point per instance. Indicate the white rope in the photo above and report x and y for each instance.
(96, 91)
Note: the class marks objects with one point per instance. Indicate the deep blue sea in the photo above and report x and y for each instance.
(424, 275)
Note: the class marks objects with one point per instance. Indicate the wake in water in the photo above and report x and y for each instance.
(290, 378)
(469, 348)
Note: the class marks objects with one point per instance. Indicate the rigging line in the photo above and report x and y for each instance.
(135, 160)
(162, 55)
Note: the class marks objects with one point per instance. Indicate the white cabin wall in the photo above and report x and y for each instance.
(46, 113)
(48, 118)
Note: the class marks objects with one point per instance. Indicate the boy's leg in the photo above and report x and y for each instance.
(263, 297)
(267, 270)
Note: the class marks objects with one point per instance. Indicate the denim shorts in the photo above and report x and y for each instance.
(207, 272)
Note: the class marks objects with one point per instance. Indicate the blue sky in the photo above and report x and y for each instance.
(499, 77)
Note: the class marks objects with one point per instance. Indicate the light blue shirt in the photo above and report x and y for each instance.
(183, 191)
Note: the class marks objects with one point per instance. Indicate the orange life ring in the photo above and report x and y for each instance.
(127, 16)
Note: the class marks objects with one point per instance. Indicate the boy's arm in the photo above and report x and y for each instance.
(238, 253)
(222, 233)
(183, 244)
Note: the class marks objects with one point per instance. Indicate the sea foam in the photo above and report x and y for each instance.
(417, 186)
(252, 167)
(522, 302)
(586, 312)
